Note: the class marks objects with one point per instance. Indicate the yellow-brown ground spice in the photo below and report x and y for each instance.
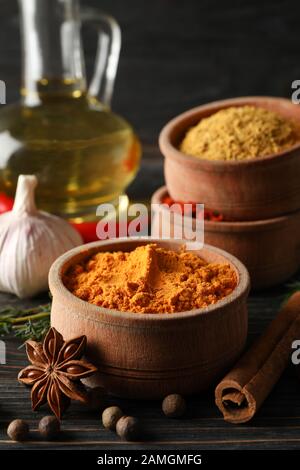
(239, 133)
(150, 279)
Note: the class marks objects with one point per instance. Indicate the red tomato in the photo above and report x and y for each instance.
(6, 203)
(87, 230)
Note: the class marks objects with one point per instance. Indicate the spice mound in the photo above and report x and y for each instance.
(150, 279)
(239, 133)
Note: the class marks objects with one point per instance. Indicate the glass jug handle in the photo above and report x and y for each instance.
(107, 55)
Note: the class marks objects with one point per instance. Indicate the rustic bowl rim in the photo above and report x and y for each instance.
(238, 225)
(171, 151)
(55, 283)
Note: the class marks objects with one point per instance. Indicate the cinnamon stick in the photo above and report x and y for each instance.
(243, 390)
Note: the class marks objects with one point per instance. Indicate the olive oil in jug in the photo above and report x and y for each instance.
(82, 153)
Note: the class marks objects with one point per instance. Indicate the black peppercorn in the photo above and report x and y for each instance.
(174, 406)
(49, 427)
(18, 430)
(128, 428)
(110, 416)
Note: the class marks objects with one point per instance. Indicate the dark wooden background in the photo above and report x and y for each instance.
(177, 54)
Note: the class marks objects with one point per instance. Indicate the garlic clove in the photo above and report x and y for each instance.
(30, 241)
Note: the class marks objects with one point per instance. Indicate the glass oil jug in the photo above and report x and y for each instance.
(62, 131)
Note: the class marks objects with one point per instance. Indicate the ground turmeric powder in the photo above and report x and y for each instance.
(150, 279)
(239, 133)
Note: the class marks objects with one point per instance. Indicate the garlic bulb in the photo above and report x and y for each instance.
(30, 240)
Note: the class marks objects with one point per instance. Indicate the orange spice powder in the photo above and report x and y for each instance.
(150, 280)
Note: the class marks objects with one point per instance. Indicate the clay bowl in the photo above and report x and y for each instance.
(270, 248)
(241, 190)
(148, 356)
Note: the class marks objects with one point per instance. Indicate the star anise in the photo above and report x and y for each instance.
(56, 367)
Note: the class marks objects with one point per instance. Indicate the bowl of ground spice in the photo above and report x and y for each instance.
(257, 243)
(240, 157)
(158, 318)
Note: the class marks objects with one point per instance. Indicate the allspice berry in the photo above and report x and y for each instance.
(128, 428)
(49, 427)
(174, 406)
(96, 398)
(110, 417)
(18, 430)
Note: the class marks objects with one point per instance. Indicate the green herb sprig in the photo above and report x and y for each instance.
(31, 323)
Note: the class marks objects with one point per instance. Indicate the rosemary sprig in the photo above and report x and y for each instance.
(291, 287)
(30, 323)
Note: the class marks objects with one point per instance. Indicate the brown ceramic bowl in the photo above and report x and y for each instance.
(241, 190)
(152, 355)
(270, 248)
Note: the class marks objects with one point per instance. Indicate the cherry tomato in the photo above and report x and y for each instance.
(87, 230)
(6, 203)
